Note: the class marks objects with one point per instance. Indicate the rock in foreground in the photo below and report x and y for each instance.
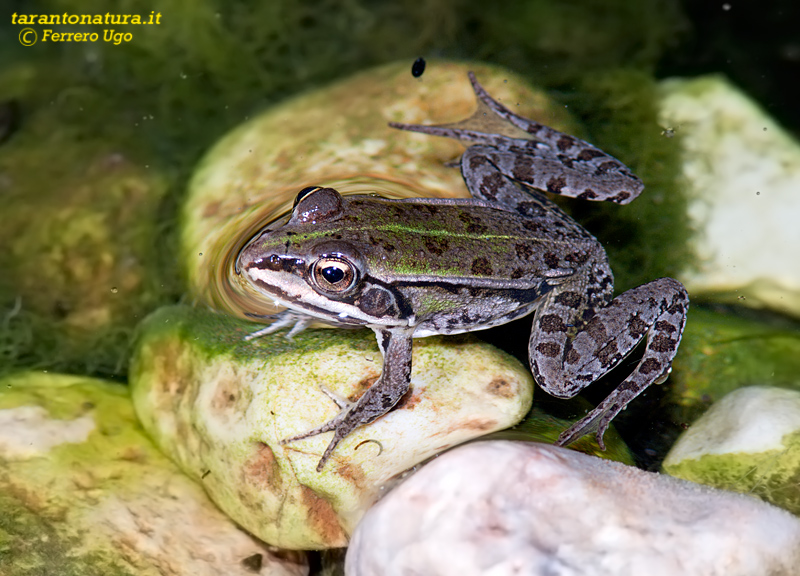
(506, 508)
(219, 406)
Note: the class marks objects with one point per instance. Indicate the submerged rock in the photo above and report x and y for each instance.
(743, 172)
(219, 406)
(747, 442)
(84, 491)
(507, 508)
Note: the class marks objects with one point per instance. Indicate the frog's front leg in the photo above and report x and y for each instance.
(377, 400)
(568, 353)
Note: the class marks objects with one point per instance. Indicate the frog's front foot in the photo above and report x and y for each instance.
(298, 322)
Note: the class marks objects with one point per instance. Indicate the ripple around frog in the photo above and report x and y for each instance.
(227, 290)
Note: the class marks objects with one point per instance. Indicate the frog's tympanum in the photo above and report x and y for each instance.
(417, 267)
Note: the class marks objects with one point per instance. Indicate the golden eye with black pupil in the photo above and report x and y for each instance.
(333, 274)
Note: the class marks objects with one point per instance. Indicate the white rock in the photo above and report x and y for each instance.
(748, 442)
(506, 508)
(749, 420)
(743, 174)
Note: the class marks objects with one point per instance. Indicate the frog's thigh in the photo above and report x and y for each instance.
(563, 366)
(488, 181)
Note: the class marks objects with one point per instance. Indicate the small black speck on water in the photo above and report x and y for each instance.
(418, 67)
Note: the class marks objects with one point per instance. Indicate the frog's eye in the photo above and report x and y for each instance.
(334, 274)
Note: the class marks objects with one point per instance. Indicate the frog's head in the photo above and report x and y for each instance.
(304, 266)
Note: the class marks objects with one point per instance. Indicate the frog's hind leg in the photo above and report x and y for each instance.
(537, 155)
(486, 181)
(567, 354)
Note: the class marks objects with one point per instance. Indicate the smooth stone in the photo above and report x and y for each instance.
(84, 491)
(219, 406)
(509, 508)
(747, 442)
(743, 172)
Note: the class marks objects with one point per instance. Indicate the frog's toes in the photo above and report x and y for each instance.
(298, 322)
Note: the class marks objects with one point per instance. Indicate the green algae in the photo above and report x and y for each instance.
(721, 352)
(772, 475)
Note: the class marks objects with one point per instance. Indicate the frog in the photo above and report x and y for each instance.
(418, 267)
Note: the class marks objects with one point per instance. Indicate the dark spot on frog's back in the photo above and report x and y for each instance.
(523, 169)
(569, 299)
(481, 267)
(649, 366)
(476, 161)
(662, 343)
(608, 355)
(385, 245)
(606, 166)
(572, 356)
(636, 326)
(550, 323)
(474, 225)
(551, 259)
(587, 194)
(620, 197)
(524, 252)
(548, 349)
(429, 209)
(535, 227)
(490, 184)
(589, 154)
(436, 246)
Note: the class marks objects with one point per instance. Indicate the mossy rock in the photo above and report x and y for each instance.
(220, 406)
(83, 491)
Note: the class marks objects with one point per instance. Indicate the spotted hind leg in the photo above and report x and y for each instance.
(567, 353)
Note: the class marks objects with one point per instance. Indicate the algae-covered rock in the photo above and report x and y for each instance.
(83, 491)
(219, 406)
(747, 442)
(743, 173)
